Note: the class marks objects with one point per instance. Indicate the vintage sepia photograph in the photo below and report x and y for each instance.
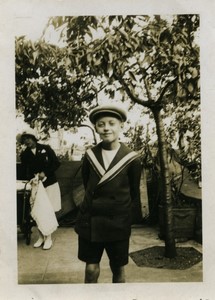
(109, 150)
(106, 130)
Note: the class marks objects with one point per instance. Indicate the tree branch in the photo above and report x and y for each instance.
(129, 93)
(164, 91)
(147, 89)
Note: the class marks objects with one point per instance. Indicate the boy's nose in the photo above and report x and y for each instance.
(106, 127)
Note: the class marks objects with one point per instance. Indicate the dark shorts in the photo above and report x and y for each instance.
(91, 252)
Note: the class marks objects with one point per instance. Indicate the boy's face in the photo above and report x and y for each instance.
(108, 128)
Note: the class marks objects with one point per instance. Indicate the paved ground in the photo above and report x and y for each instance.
(60, 263)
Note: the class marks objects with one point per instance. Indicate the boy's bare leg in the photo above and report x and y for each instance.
(118, 274)
(92, 272)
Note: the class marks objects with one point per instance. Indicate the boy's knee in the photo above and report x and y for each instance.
(92, 273)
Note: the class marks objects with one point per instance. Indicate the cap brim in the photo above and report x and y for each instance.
(116, 112)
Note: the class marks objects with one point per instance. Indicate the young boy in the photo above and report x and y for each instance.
(111, 176)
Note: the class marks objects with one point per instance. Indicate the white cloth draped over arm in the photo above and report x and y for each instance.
(42, 210)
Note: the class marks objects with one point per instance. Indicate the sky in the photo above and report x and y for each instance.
(32, 27)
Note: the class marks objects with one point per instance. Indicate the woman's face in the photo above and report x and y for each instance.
(29, 142)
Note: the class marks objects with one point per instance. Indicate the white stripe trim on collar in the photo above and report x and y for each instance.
(113, 171)
(95, 162)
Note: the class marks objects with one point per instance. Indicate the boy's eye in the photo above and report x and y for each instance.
(103, 124)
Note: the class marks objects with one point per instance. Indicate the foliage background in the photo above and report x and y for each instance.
(56, 85)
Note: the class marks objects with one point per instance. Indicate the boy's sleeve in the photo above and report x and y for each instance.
(134, 174)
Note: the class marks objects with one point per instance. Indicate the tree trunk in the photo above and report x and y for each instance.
(170, 248)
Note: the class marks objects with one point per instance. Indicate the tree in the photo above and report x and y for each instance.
(46, 90)
(153, 60)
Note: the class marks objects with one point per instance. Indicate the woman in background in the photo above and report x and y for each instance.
(41, 161)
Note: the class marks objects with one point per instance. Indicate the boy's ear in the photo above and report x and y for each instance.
(122, 125)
